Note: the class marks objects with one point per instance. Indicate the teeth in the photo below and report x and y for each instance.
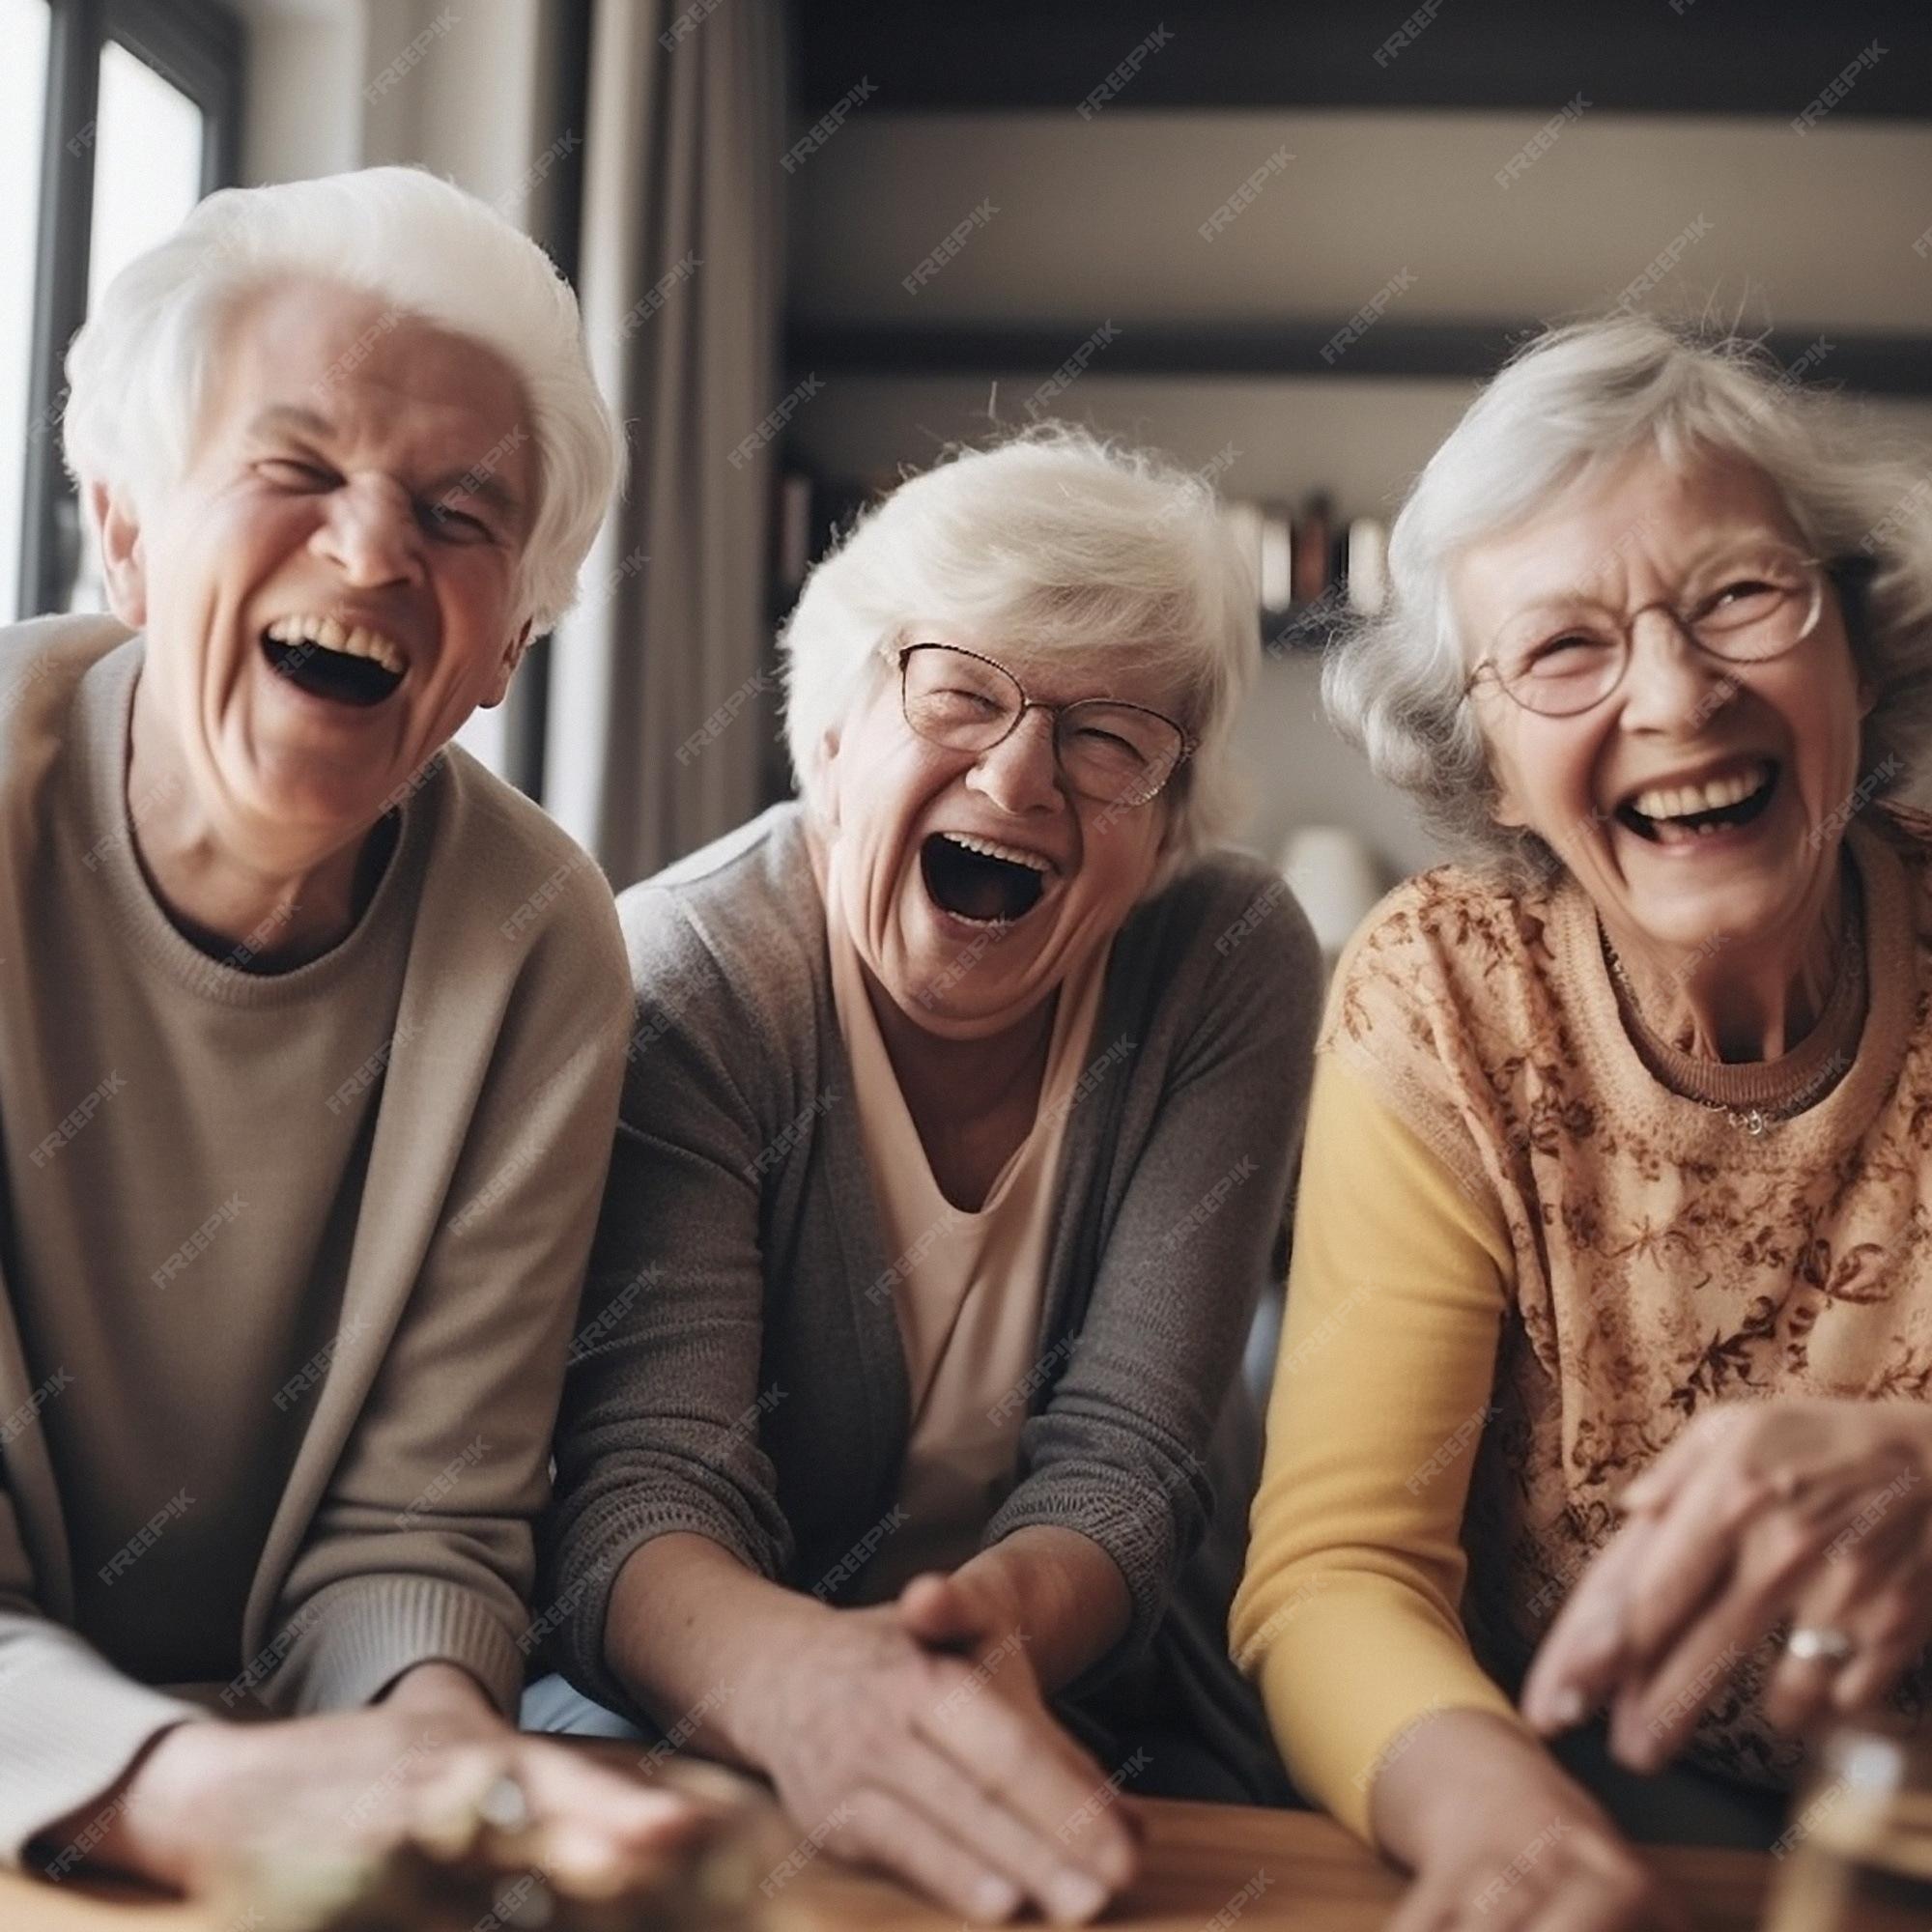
(992, 849)
(1681, 801)
(329, 634)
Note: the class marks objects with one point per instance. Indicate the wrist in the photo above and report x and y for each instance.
(437, 1686)
(783, 1659)
(154, 1823)
(1420, 1808)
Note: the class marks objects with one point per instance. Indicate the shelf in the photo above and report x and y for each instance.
(1490, 56)
(1888, 365)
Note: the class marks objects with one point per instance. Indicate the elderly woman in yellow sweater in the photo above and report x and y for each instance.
(1601, 1414)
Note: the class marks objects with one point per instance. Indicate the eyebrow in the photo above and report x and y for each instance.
(479, 479)
(1721, 539)
(291, 416)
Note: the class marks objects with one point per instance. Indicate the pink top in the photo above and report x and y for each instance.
(968, 1286)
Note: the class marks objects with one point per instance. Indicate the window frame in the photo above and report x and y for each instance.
(198, 47)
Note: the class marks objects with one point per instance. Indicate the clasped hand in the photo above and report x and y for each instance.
(915, 1736)
(1811, 1512)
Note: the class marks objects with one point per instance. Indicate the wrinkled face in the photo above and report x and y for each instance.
(971, 883)
(332, 587)
(1698, 802)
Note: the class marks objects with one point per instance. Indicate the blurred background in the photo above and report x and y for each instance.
(819, 241)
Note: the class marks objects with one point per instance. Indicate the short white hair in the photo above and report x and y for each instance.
(1562, 414)
(1059, 541)
(138, 373)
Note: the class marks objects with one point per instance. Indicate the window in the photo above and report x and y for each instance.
(23, 91)
(130, 112)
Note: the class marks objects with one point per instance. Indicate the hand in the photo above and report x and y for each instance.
(368, 1779)
(1501, 1841)
(1534, 1871)
(917, 1731)
(1816, 1511)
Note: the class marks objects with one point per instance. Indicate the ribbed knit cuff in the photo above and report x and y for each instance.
(72, 1725)
(358, 1636)
(1139, 1541)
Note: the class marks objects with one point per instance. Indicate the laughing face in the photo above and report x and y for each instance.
(331, 589)
(974, 883)
(1694, 801)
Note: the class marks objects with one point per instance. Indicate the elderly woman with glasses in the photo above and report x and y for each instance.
(1601, 1409)
(906, 1457)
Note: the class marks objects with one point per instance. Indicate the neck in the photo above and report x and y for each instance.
(1726, 1001)
(963, 1080)
(269, 905)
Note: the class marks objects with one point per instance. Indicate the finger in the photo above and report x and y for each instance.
(1594, 1901)
(1040, 1866)
(1577, 1666)
(1891, 1633)
(1652, 1716)
(937, 1611)
(1429, 1905)
(1701, 1442)
(875, 1827)
(1845, 1595)
(601, 1826)
(1696, 1546)
(1037, 1772)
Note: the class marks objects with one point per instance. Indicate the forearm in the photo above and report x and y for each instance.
(1057, 1591)
(693, 1634)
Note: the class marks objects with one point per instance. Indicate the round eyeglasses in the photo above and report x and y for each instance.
(1118, 753)
(1745, 606)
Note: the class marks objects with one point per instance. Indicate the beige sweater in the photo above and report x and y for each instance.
(289, 1260)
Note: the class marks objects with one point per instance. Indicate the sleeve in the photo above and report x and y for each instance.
(1119, 1451)
(659, 1432)
(73, 1723)
(1348, 1616)
(424, 1546)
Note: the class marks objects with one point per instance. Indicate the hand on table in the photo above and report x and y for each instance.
(1817, 1510)
(1501, 1840)
(370, 1778)
(916, 1730)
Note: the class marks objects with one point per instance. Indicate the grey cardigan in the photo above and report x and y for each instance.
(739, 1372)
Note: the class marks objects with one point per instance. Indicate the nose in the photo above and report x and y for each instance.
(1021, 773)
(1671, 685)
(370, 534)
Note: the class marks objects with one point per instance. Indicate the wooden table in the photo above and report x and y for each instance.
(1268, 1870)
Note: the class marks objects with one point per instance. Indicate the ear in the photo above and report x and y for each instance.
(507, 670)
(123, 566)
(1506, 811)
(826, 801)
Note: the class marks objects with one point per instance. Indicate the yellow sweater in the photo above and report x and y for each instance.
(1520, 1266)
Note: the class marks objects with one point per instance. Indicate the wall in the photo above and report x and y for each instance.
(1098, 220)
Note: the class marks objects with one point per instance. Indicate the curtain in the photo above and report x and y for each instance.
(661, 703)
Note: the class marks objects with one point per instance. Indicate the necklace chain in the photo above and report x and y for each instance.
(1757, 1122)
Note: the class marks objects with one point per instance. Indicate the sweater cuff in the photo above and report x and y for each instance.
(357, 1636)
(73, 1725)
(1137, 1540)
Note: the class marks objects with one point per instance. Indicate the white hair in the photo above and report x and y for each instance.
(138, 373)
(1565, 411)
(1060, 542)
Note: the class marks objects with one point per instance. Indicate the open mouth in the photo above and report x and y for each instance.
(980, 880)
(1677, 814)
(345, 663)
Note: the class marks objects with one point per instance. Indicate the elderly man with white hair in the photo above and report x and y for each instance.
(911, 1459)
(311, 1033)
